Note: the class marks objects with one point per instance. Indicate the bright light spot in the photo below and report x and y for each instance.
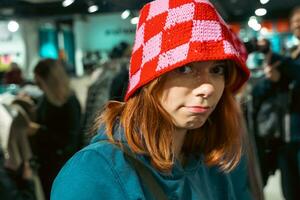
(125, 14)
(134, 20)
(256, 27)
(13, 26)
(264, 1)
(93, 8)
(260, 12)
(264, 31)
(253, 23)
(66, 3)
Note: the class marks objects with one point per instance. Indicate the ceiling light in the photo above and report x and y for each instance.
(256, 27)
(134, 20)
(253, 23)
(260, 12)
(125, 14)
(13, 26)
(93, 8)
(66, 3)
(264, 1)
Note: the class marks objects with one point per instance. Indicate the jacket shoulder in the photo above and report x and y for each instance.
(95, 173)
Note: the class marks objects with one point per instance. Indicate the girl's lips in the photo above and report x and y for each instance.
(197, 109)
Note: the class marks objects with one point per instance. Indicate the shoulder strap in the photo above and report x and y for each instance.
(146, 176)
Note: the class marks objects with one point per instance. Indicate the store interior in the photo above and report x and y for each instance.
(87, 35)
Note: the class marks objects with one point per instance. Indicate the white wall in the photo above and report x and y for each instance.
(31, 40)
(25, 42)
(29, 29)
(12, 44)
(100, 32)
(94, 32)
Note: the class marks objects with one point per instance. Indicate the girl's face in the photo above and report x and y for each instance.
(191, 93)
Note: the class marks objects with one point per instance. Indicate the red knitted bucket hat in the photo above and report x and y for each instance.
(172, 33)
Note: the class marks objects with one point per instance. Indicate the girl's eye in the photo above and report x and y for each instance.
(185, 69)
(218, 69)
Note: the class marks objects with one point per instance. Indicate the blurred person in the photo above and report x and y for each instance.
(179, 131)
(14, 75)
(267, 115)
(250, 163)
(283, 76)
(16, 176)
(108, 81)
(8, 188)
(295, 28)
(55, 133)
(19, 149)
(120, 81)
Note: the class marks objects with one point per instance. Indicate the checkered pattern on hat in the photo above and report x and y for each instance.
(171, 33)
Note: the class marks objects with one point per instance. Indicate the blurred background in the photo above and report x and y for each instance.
(92, 40)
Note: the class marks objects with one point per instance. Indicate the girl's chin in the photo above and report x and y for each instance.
(193, 125)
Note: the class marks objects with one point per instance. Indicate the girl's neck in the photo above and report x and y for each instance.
(178, 139)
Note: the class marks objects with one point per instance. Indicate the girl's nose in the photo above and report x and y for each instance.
(204, 90)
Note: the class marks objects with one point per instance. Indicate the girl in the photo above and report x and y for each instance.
(179, 130)
(55, 135)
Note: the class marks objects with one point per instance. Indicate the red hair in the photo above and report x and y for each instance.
(148, 127)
